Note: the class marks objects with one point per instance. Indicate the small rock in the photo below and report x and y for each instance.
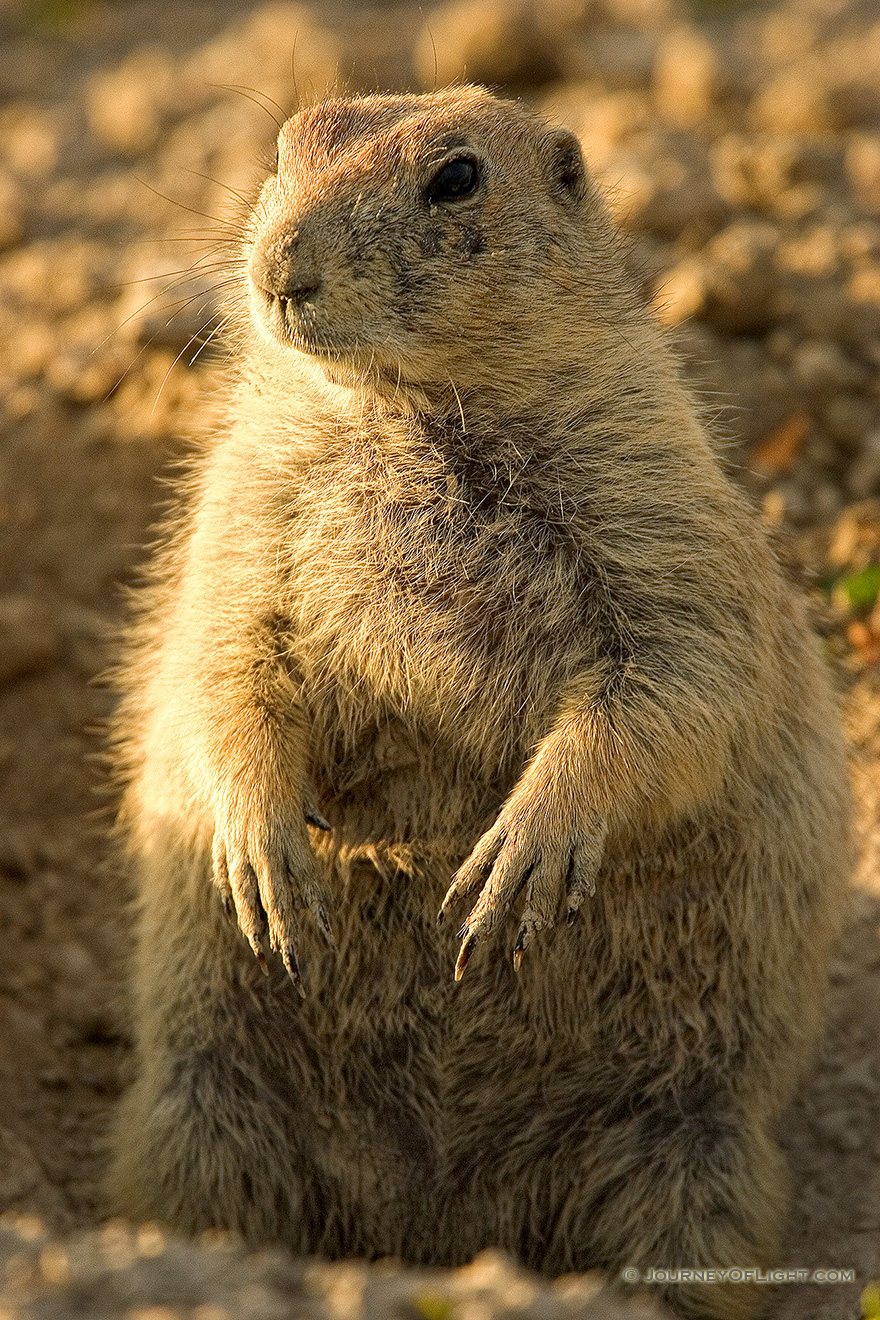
(125, 105)
(796, 101)
(822, 365)
(12, 212)
(733, 283)
(863, 167)
(847, 417)
(789, 503)
(29, 641)
(863, 477)
(814, 252)
(826, 500)
(30, 140)
(499, 42)
(687, 77)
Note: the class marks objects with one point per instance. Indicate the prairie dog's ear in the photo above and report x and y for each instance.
(568, 174)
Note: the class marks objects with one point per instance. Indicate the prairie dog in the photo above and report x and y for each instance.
(461, 574)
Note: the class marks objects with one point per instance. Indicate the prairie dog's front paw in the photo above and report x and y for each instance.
(267, 874)
(531, 849)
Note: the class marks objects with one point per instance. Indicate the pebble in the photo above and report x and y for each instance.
(733, 284)
(687, 77)
(125, 105)
(485, 41)
(863, 475)
(795, 101)
(12, 212)
(30, 140)
(822, 365)
(29, 641)
(847, 418)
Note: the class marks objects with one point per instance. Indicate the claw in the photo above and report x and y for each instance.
(229, 908)
(571, 916)
(448, 900)
(315, 818)
(258, 937)
(464, 956)
(323, 921)
(290, 962)
(519, 949)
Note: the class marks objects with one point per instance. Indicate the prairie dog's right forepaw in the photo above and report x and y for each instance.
(266, 875)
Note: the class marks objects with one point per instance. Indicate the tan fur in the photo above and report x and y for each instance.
(462, 570)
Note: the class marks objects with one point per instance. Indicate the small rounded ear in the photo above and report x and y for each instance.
(568, 174)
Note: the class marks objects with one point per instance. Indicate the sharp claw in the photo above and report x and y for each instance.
(261, 959)
(464, 956)
(571, 916)
(447, 903)
(324, 923)
(293, 972)
(519, 949)
(315, 818)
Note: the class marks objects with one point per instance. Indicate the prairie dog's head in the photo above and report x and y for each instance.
(431, 238)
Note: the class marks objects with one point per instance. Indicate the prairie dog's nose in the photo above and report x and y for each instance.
(283, 270)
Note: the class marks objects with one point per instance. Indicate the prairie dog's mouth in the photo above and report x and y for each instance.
(294, 320)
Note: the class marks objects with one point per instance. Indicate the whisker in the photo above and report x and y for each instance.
(187, 345)
(169, 274)
(251, 94)
(194, 236)
(192, 210)
(245, 201)
(218, 329)
(296, 95)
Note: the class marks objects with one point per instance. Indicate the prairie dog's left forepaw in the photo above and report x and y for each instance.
(523, 854)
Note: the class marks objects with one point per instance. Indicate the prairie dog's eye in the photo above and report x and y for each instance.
(456, 179)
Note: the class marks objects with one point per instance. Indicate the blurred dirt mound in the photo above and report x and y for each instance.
(740, 145)
(119, 1272)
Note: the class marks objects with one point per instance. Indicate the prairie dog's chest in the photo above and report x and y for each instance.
(460, 612)
(446, 582)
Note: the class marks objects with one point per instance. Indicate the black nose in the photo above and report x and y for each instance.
(282, 272)
(290, 291)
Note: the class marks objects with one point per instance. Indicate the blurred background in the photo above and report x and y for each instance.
(739, 147)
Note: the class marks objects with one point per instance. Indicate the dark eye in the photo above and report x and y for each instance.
(456, 179)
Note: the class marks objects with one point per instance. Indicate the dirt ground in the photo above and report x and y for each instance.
(740, 146)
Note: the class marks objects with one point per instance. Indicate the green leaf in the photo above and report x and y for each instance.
(871, 1301)
(433, 1306)
(859, 591)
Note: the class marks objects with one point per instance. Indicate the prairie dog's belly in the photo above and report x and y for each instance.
(388, 779)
